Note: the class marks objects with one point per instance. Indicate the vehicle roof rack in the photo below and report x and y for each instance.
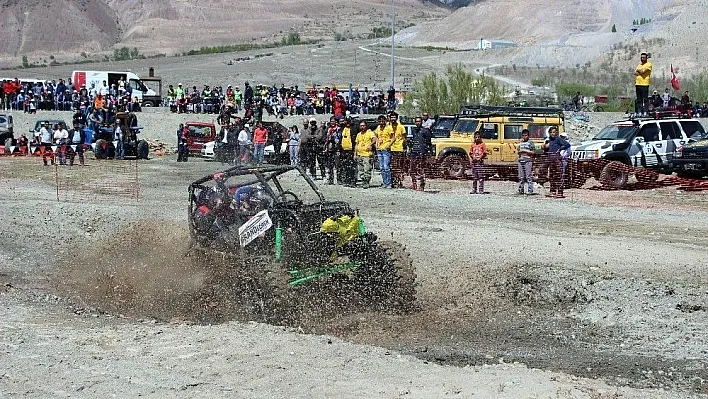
(491, 110)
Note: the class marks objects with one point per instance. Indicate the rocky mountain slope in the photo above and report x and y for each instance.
(169, 26)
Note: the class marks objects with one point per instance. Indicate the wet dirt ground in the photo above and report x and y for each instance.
(603, 285)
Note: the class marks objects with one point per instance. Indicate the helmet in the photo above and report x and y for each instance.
(260, 200)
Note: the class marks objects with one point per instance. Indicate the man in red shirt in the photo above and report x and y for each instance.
(478, 151)
(260, 137)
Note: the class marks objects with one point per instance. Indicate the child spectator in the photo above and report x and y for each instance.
(478, 152)
(526, 150)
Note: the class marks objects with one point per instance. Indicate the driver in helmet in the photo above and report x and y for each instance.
(251, 200)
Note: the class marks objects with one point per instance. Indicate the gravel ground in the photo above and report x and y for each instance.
(600, 295)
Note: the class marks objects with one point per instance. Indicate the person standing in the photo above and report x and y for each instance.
(45, 138)
(118, 136)
(347, 166)
(294, 145)
(61, 139)
(365, 144)
(182, 149)
(78, 138)
(419, 147)
(384, 140)
(308, 137)
(331, 150)
(553, 148)
(427, 122)
(526, 150)
(260, 138)
(398, 156)
(244, 143)
(641, 83)
(478, 152)
(665, 98)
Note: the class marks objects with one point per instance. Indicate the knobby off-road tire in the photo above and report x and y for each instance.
(254, 288)
(387, 280)
(454, 166)
(100, 152)
(614, 175)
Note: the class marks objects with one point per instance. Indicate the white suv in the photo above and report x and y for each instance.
(642, 143)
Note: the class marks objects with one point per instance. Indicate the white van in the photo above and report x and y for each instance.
(146, 96)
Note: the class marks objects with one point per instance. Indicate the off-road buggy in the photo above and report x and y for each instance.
(272, 224)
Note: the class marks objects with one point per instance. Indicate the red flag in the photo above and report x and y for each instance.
(674, 80)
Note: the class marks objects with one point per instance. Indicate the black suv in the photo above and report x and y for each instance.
(691, 159)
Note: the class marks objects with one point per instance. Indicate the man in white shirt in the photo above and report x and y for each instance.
(244, 141)
(427, 122)
(46, 141)
(61, 138)
(105, 90)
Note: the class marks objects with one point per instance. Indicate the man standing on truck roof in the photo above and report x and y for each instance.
(641, 83)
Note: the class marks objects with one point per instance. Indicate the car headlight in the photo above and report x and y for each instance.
(678, 153)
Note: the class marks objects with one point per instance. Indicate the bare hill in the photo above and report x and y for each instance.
(168, 26)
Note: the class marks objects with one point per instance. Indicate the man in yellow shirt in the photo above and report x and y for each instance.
(384, 140)
(398, 157)
(364, 146)
(346, 166)
(641, 83)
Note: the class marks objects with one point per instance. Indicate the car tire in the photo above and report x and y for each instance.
(614, 175)
(690, 175)
(143, 149)
(454, 166)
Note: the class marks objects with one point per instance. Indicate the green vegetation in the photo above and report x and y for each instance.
(339, 37)
(445, 94)
(291, 38)
(125, 53)
(641, 21)
(379, 31)
(614, 28)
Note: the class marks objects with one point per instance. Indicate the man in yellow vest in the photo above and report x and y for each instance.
(365, 145)
(346, 166)
(398, 157)
(641, 83)
(384, 139)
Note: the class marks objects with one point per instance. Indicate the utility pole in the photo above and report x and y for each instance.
(393, 42)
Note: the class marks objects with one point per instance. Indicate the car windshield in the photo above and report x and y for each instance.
(443, 124)
(200, 131)
(615, 132)
(466, 126)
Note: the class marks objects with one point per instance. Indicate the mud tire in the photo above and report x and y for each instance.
(614, 175)
(99, 151)
(387, 279)
(454, 166)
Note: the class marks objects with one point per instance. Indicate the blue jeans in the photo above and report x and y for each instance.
(259, 152)
(385, 166)
(120, 151)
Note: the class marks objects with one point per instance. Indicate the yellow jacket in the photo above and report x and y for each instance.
(384, 138)
(644, 74)
(364, 141)
(399, 137)
(346, 139)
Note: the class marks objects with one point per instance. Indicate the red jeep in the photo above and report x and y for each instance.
(198, 134)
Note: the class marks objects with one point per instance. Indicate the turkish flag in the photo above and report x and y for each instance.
(674, 80)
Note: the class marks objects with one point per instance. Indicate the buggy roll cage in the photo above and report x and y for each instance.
(261, 174)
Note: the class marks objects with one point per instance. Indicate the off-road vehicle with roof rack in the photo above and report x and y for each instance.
(691, 159)
(501, 131)
(648, 143)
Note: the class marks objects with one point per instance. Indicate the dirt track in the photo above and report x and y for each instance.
(608, 286)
